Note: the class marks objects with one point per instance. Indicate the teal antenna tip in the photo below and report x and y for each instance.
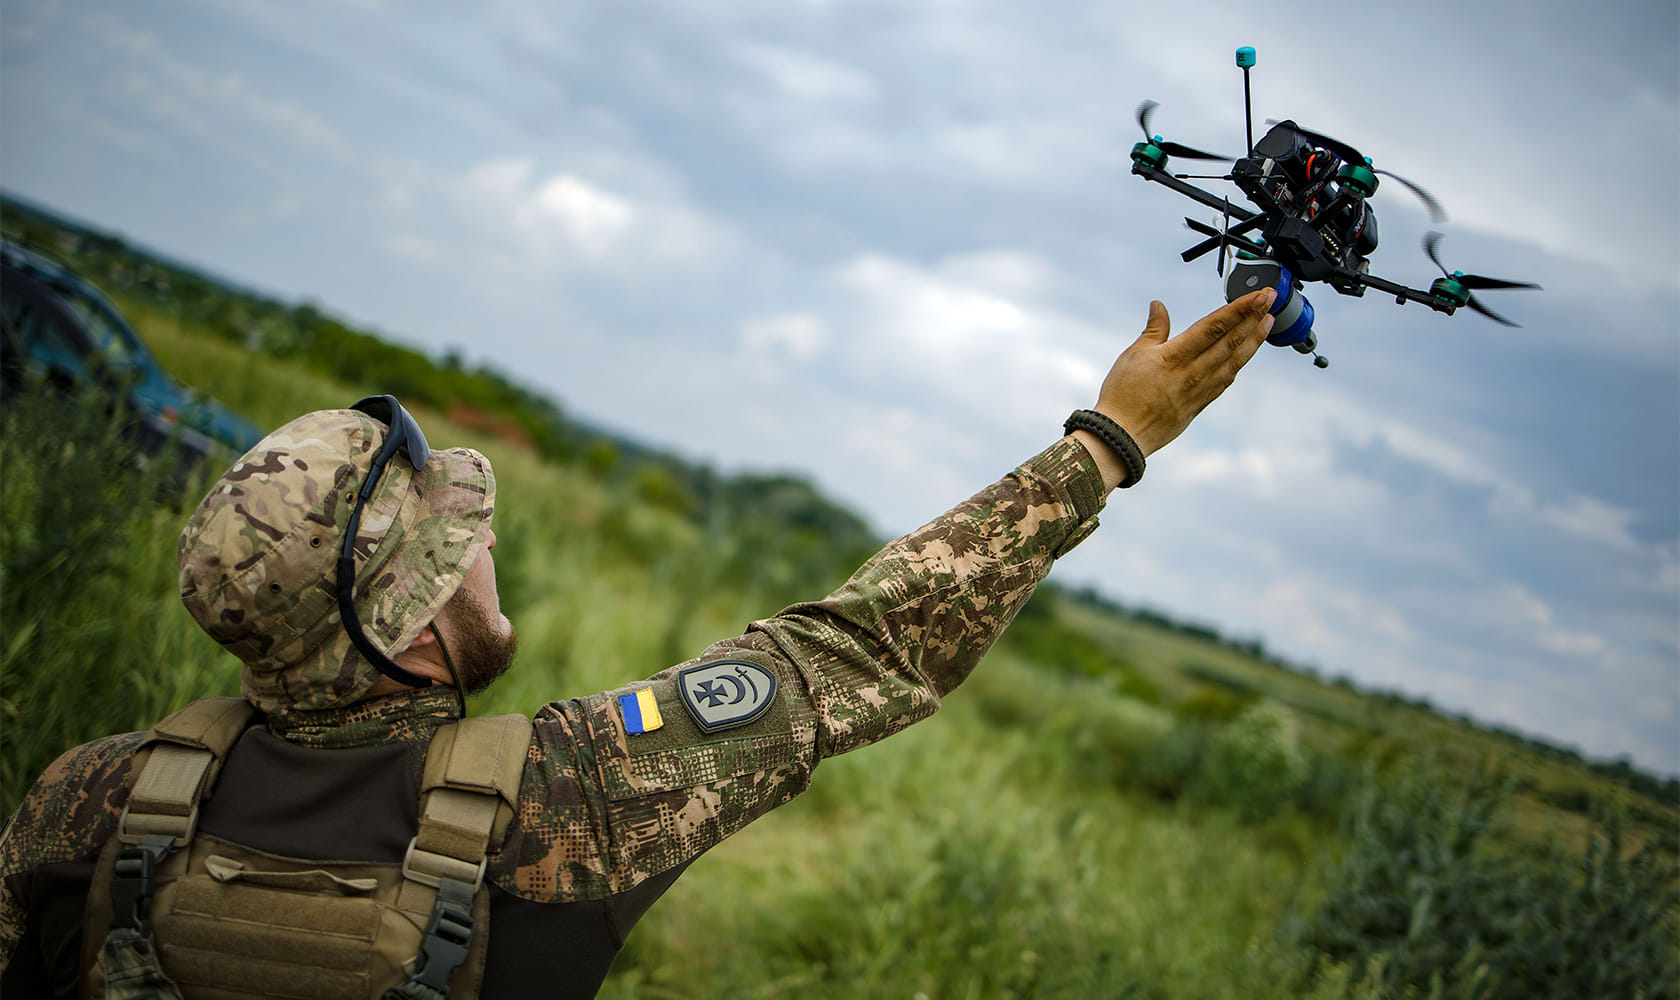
(1245, 56)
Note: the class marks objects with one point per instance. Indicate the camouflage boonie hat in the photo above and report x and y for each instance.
(259, 556)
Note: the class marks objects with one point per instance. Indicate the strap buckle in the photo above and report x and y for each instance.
(430, 868)
(135, 828)
(448, 939)
(131, 881)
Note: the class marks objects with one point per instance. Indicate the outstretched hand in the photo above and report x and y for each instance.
(1158, 385)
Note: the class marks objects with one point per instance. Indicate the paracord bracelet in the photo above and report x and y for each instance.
(1113, 435)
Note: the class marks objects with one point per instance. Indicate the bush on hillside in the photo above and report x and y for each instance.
(1426, 900)
(1254, 763)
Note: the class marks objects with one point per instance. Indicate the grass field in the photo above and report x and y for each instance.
(1108, 809)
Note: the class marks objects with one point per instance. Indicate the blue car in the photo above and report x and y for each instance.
(58, 329)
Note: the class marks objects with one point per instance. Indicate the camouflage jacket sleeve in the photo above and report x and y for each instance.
(604, 807)
(68, 815)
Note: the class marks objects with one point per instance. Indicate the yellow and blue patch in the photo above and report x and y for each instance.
(641, 712)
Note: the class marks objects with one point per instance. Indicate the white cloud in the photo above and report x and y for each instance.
(200, 101)
(924, 310)
(944, 330)
(800, 336)
(535, 221)
(1010, 273)
(807, 76)
(1593, 520)
(592, 218)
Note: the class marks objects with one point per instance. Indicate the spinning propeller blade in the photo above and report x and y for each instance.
(1337, 146)
(1217, 238)
(1351, 155)
(1144, 112)
(1431, 241)
(1224, 235)
(1436, 212)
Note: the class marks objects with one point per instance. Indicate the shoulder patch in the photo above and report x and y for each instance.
(640, 711)
(724, 694)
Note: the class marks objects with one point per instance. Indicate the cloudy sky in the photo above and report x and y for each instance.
(891, 245)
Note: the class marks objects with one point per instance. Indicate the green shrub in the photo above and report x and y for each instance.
(1254, 762)
(1425, 899)
(1171, 765)
(1213, 704)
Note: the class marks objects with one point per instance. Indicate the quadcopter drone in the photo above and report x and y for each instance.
(1314, 222)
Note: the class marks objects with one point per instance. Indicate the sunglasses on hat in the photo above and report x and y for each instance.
(404, 435)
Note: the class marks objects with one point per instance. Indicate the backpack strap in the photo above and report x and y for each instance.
(467, 795)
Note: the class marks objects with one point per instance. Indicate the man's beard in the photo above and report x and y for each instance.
(482, 651)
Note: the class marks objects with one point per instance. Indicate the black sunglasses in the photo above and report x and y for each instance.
(405, 434)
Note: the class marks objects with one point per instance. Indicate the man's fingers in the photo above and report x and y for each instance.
(1243, 350)
(1159, 326)
(1244, 315)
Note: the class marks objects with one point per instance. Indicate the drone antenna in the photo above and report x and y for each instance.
(1245, 59)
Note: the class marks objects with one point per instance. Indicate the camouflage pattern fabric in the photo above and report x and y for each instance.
(70, 813)
(602, 809)
(129, 961)
(259, 556)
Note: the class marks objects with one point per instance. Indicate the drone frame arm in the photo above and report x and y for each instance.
(1401, 293)
(1149, 172)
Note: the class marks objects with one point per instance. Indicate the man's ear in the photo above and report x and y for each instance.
(426, 638)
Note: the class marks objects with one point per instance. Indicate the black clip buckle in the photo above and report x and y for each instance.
(448, 935)
(131, 881)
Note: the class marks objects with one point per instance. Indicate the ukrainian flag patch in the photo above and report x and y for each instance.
(641, 712)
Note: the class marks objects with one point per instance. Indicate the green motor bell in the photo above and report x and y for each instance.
(1361, 178)
(1450, 290)
(1148, 152)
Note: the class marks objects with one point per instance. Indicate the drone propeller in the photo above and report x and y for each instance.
(1224, 236)
(1220, 238)
(1471, 282)
(1147, 109)
(1436, 212)
(1348, 154)
(1337, 146)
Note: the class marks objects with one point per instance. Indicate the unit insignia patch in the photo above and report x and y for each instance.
(726, 693)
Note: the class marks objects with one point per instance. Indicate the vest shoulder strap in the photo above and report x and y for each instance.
(181, 756)
(174, 767)
(468, 789)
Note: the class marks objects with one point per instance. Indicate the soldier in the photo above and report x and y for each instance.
(338, 833)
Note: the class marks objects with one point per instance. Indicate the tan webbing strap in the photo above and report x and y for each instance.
(165, 799)
(468, 788)
(213, 723)
(185, 749)
(174, 767)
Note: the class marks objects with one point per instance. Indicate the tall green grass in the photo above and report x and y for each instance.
(95, 641)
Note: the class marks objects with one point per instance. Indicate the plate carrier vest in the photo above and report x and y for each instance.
(170, 906)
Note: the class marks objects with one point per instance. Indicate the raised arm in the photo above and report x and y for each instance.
(629, 804)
